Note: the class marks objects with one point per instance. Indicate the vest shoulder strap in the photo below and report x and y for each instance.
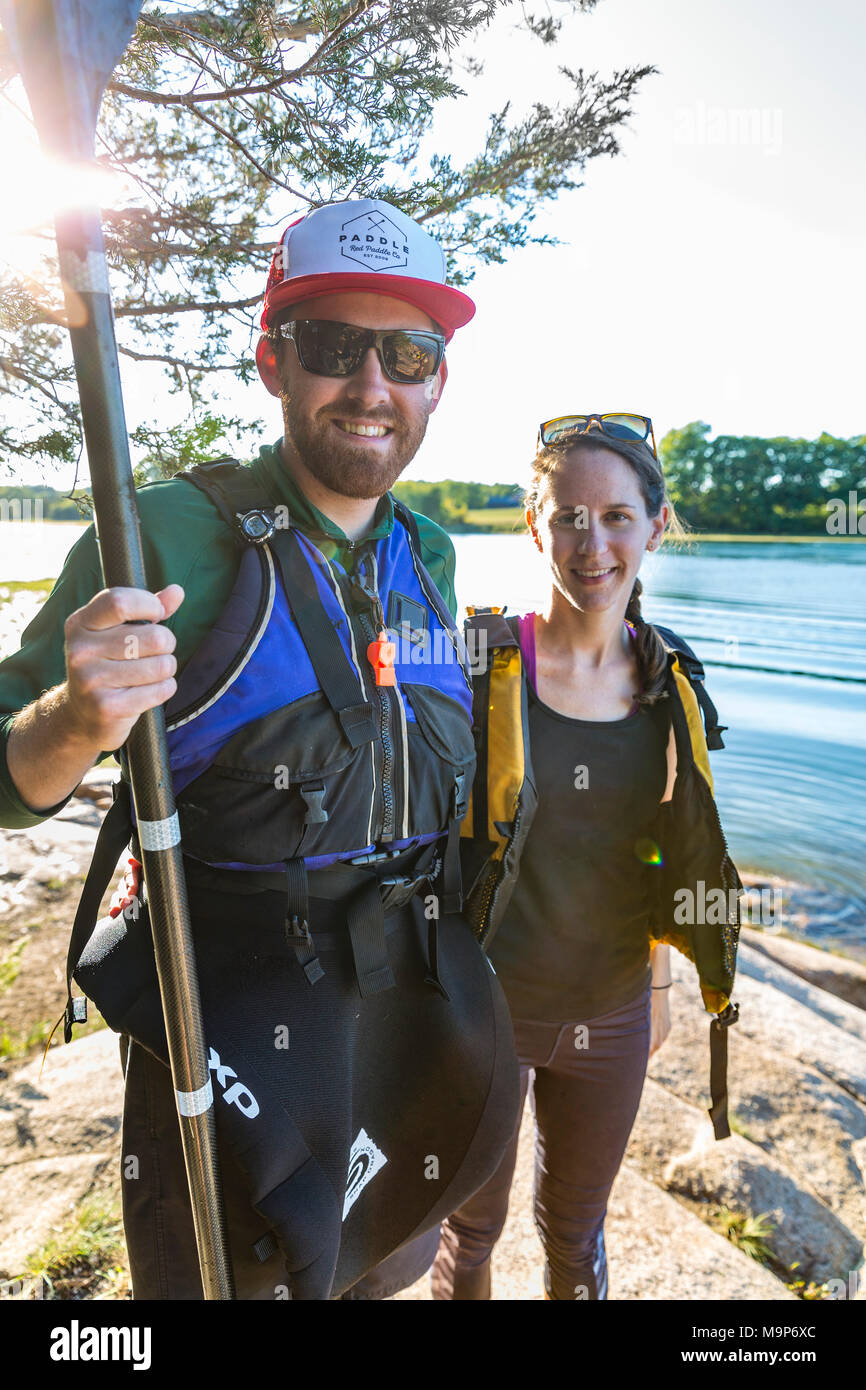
(692, 665)
(500, 631)
(407, 517)
(231, 487)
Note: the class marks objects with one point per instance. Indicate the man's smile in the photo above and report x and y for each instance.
(362, 430)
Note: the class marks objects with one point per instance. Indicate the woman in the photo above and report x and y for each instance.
(589, 994)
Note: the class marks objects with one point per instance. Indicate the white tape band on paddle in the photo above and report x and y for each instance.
(88, 273)
(195, 1102)
(159, 834)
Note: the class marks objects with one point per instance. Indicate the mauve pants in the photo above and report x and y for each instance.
(585, 1089)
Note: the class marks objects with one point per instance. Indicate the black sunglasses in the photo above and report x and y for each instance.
(409, 356)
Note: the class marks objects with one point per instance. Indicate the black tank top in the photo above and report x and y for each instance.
(574, 942)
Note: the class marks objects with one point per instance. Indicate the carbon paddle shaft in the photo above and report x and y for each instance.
(67, 50)
(91, 327)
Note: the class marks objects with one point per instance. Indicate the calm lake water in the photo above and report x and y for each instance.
(781, 629)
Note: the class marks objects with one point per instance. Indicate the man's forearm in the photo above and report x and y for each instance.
(47, 753)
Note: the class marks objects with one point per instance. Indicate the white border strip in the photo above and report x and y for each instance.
(159, 834)
(84, 273)
(195, 1102)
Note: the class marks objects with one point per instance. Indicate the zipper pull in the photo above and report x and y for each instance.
(381, 655)
(364, 581)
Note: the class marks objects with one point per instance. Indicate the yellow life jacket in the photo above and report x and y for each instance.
(695, 883)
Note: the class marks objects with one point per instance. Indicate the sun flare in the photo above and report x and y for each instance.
(37, 187)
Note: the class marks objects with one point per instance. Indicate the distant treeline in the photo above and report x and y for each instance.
(39, 503)
(450, 502)
(740, 483)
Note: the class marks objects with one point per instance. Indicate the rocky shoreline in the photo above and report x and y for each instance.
(795, 1164)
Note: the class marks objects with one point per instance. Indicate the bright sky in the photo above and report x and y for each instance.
(714, 270)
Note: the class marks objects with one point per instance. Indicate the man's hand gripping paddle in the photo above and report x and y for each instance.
(66, 51)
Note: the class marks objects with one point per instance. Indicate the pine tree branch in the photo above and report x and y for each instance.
(239, 145)
(193, 367)
(34, 379)
(284, 76)
(187, 23)
(181, 307)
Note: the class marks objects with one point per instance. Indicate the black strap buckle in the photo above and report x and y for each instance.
(458, 796)
(298, 936)
(313, 794)
(399, 888)
(75, 1012)
(395, 891)
(727, 1017)
(298, 929)
(375, 858)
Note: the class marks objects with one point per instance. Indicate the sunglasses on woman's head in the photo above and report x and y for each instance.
(408, 356)
(637, 428)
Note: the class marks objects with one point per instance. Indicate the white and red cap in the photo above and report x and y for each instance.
(363, 244)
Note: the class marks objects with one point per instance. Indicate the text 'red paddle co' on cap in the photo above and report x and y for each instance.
(363, 244)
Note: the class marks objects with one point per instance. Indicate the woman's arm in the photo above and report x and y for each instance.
(660, 961)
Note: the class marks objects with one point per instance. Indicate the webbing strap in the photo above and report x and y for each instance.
(714, 729)
(231, 487)
(266, 1246)
(452, 885)
(433, 977)
(719, 1070)
(437, 602)
(113, 837)
(692, 665)
(366, 920)
(481, 732)
(337, 677)
(297, 920)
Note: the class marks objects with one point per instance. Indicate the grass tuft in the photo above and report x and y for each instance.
(20, 1044)
(738, 1127)
(10, 964)
(748, 1233)
(86, 1259)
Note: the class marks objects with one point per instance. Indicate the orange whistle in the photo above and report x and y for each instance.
(381, 655)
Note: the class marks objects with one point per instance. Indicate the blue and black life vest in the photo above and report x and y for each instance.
(334, 800)
(287, 758)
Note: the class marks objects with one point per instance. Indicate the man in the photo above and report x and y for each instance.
(377, 762)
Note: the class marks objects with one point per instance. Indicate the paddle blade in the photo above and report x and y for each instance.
(66, 51)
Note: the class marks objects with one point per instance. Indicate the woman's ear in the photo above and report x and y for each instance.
(266, 361)
(659, 524)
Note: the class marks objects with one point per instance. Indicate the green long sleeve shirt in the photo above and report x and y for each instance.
(185, 541)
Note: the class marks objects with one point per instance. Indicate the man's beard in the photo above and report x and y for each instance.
(347, 467)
